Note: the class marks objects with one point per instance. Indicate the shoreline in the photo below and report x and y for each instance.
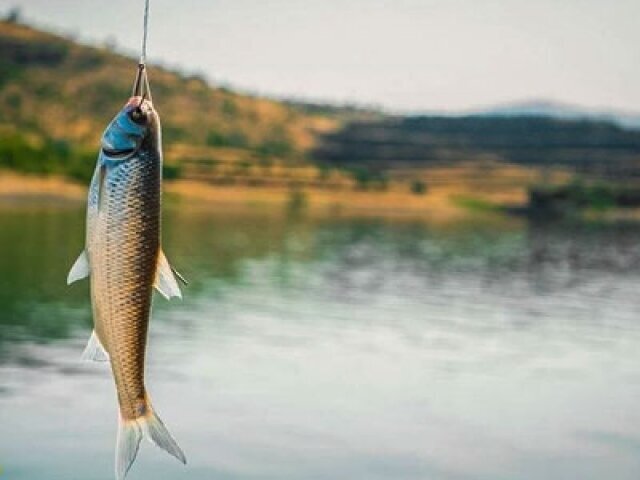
(441, 204)
(437, 205)
(16, 187)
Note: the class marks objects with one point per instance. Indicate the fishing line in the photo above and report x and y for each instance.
(143, 55)
(142, 80)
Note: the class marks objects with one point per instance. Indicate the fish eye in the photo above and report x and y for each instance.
(138, 116)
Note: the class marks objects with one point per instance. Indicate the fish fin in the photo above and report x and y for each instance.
(94, 350)
(127, 445)
(101, 181)
(154, 430)
(80, 268)
(166, 282)
(180, 276)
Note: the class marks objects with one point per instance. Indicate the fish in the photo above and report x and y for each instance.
(124, 261)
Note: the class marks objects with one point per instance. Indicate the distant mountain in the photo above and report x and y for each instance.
(547, 108)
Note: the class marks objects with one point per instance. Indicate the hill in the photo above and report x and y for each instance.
(594, 147)
(57, 96)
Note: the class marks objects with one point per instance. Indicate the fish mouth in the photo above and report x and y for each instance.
(122, 153)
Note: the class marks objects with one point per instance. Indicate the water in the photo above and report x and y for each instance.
(336, 349)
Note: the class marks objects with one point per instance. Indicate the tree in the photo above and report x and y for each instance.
(14, 15)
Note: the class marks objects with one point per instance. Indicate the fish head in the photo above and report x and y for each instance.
(135, 127)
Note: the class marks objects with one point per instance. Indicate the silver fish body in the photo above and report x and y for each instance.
(124, 261)
(123, 247)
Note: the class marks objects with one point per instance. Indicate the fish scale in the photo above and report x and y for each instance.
(131, 226)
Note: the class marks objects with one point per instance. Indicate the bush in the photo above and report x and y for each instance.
(53, 157)
(366, 178)
(171, 172)
(418, 187)
(276, 147)
(277, 144)
(172, 134)
(229, 107)
(235, 139)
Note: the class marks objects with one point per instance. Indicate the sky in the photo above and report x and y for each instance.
(400, 55)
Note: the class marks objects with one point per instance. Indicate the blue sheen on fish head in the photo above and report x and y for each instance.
(136, 126)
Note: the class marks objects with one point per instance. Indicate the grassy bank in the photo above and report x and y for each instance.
(37, 155)
(439, 203)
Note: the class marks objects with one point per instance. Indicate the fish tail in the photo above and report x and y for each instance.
(127, 445)
(130, 433)
(154, 430)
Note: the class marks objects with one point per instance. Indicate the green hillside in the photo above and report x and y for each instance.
(56, 97)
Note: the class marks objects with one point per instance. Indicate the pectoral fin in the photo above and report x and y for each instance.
(166, 282)
(179, 275)
(80, 269)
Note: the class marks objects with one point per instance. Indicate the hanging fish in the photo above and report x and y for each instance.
(124, 261)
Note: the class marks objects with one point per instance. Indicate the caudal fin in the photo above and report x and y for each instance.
(157, 433)
(131, 432)
(127, 445)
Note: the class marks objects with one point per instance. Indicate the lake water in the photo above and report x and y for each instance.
(336, 349)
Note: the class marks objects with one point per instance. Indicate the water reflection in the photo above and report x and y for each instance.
(36, 242)
(338, 348)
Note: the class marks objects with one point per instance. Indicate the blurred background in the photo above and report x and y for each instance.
(410, 229)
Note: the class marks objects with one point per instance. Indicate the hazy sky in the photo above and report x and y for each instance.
(400, 54)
